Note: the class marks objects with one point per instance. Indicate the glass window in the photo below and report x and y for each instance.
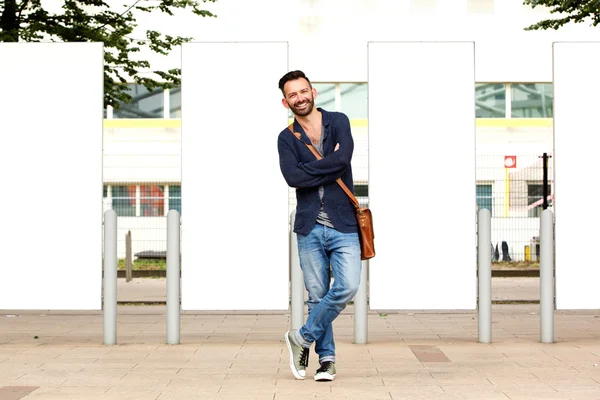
(484, 197)
(105, 200)
(123, 200)
(175, 102)
(175, 198)
(535, 199)
(144, 104)
(354, 99)
(325, 95)
(531, 100)
(152, 201)
(490, 100)
(361, 190)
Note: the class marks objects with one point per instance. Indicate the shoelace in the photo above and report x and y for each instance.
(304, 357)
(325, 366)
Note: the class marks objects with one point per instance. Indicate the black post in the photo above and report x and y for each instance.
(545, 181)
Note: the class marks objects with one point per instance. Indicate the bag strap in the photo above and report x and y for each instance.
(338, 180)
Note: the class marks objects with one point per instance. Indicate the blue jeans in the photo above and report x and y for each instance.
(323, 247)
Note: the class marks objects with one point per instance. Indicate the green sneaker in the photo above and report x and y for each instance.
(298, 355)
(326, 372)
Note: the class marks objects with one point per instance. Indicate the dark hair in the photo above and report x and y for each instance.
(290, 76)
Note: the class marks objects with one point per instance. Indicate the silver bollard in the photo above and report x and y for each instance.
(361, 308)
(297, 281)
(173, 277)
(484, 267)
(547, 277)
(110, 277)
(128, 258)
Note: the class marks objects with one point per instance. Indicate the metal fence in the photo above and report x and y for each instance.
(512, 188)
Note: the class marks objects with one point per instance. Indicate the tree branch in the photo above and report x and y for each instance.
(575, 11)
(78, 24)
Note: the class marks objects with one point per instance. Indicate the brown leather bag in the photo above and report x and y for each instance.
(364, 218)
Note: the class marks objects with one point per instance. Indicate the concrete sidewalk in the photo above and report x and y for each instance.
(410, 355)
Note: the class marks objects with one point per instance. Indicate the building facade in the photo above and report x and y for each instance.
(329, 41)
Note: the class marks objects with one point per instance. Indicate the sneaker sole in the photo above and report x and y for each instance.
(324, 376)
(292, 365)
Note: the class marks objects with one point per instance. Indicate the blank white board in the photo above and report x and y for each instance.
(51, 172)
(576, 142)
(235, 236)
(422, 175)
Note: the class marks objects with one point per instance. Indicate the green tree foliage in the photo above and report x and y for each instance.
(575, 11)
(93, 21)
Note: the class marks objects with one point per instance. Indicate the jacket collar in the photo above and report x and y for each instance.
(326, 118)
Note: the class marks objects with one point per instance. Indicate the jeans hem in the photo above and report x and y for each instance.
(326, 358)
(301, 341)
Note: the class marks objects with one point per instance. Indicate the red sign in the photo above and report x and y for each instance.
(510, 161)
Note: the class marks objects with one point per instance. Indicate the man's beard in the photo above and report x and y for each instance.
(305, 111)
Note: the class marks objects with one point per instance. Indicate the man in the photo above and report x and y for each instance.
(325, 220)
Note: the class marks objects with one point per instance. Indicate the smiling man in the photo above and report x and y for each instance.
(325, 219)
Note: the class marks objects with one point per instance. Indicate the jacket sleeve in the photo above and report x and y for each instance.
(295, 176)
(337, 161)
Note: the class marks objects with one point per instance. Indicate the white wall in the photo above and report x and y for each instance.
(514, 140)
(142, 155)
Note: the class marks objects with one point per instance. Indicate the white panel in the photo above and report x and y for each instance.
(235, 201)
(422, 175)
(576, 143)
(346, 59)
(522, 60)
(51, 172)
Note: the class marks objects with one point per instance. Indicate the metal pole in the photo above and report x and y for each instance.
(297, 281)
(546, 277)
(361, 309)
(128, 258)
(545, 181)
(485, 276)
(173, 277)
(110, 277)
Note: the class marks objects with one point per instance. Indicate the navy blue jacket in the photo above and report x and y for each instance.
(303, 171)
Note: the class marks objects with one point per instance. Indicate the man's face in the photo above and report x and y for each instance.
(299, 97)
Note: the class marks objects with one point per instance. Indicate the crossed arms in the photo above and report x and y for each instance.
(300, 174)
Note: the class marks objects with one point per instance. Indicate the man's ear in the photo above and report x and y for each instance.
(285, 103)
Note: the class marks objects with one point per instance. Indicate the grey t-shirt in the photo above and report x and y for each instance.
(322, 218)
